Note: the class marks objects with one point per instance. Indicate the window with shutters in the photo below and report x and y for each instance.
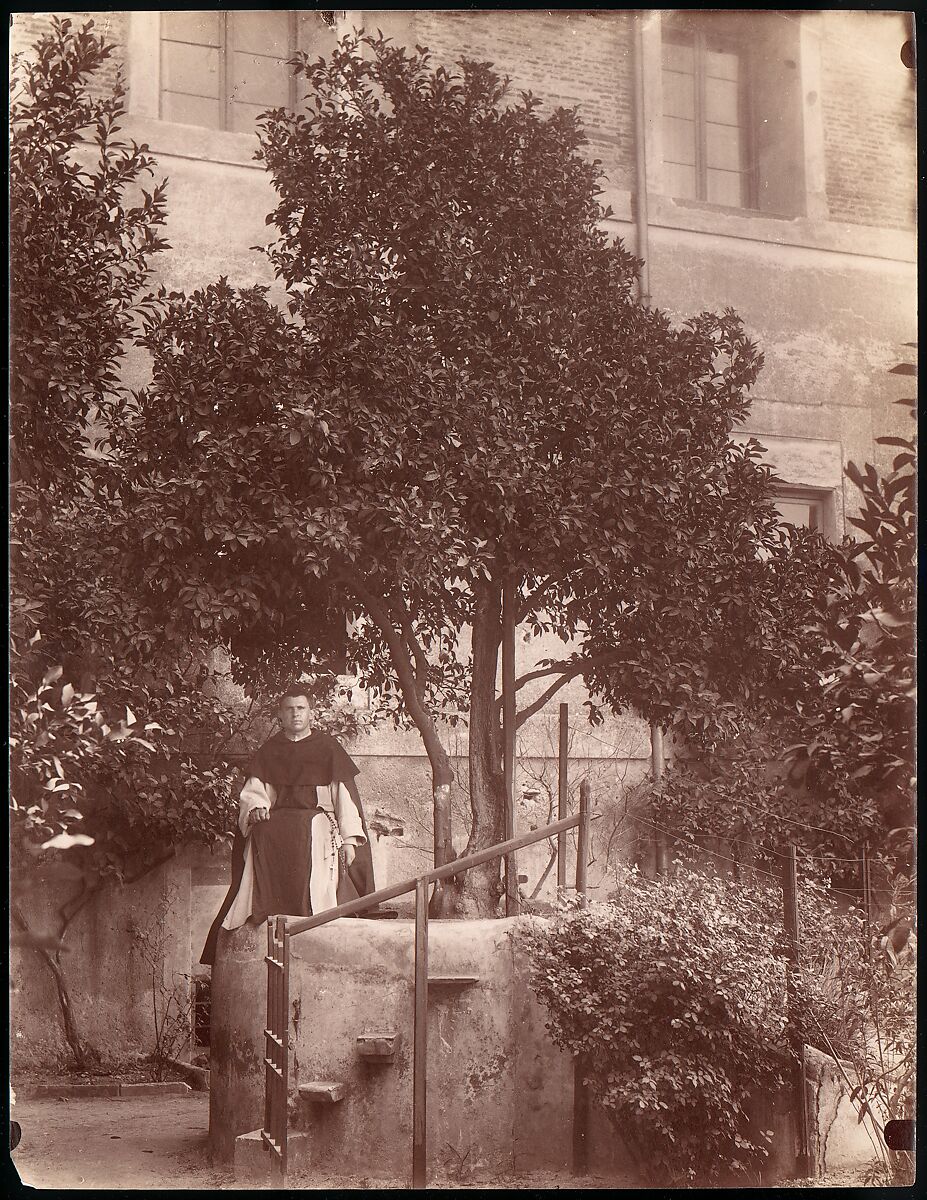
(707, 149)
(222, 69)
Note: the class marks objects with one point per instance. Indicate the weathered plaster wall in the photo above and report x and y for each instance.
(499, 1091)
(109, 981)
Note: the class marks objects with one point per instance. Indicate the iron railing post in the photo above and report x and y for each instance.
(420, 1038)
(269, 1092)
(657, 764)
(563, 796)
(508, 738)
(799, 1075)
(582, 842)
(580, 1091)
(283, 938)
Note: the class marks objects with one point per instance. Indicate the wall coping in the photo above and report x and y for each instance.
(194, 142)
(863, 241)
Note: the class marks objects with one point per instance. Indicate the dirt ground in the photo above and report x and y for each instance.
(156, 1143)
(159, 1143)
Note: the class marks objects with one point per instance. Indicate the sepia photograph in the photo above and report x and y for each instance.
(462, 599)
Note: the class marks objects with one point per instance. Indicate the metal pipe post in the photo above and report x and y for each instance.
(563, 796)
(580, 1091)
(420, 1038)
(268, 1030)
(284, 1027)
(508, 737)
(582, 841)
(866, 884)
(803, 1163)
(657, 764)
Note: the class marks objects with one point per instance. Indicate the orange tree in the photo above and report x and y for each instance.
(461, 392)
(102, 783)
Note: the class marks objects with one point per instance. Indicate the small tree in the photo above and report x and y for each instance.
(859, 723)
(464, 397)
(99, 765)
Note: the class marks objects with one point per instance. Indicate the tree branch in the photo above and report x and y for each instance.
(567, 670)
(538, 704)
(379, 612)
(418, 654)
(529, 603)
(69, 913)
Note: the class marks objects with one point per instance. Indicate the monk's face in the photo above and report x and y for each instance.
(294, 715)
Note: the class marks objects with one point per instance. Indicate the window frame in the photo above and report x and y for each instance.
(820, 500)
(701, 41)
(225, 98)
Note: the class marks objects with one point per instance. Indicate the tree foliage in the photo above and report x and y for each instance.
(832, 698)
(673, 997)
(101, 765)
(82, 235)
(463, 394)
(859, 722)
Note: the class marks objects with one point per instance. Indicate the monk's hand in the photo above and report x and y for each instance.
(258, 814)
(349, 853)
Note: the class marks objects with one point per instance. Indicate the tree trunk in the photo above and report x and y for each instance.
(477, 893)
(82, 1057)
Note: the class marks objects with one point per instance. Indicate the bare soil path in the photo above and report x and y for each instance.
(154, 1143)
(159, 1143)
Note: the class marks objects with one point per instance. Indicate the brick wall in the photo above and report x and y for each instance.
(567, 58)
(27, 28)
(868, 101)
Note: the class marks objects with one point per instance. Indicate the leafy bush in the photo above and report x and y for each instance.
(673, 994)
(860, 721)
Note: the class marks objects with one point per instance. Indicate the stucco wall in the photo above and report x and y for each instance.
(108, 978)
(499, 1091)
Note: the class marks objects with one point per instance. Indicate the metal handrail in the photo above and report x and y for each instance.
(276, 1109)
(351, 907)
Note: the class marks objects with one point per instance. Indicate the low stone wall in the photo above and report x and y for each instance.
(838, 1137)
(500, 1093)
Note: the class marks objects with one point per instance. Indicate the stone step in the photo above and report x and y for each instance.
(451, 982)
(256, 1163)
(322, 1091)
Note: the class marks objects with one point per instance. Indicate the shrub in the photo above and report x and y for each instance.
(673, 995)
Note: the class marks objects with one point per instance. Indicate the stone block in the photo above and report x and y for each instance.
(256, 1164)
(377, 1047)
(320, 1091)
(170, 1088)
(444, 984)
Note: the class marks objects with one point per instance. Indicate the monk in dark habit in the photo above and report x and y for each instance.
(301, 845)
